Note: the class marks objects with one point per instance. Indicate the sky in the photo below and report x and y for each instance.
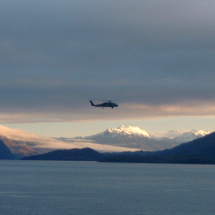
(154, 58)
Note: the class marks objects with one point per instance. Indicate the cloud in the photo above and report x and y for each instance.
(54, 56)
(36, 141)
(17, 134)
(131, 111)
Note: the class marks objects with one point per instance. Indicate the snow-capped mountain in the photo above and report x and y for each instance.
(125, 136)
(185, 136)
(135, 137)
(128, 131)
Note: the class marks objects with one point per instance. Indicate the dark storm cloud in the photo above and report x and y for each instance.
(55, 55)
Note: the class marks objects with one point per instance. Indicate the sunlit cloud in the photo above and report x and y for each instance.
(35, 141)
(123, 112)
(18, 134)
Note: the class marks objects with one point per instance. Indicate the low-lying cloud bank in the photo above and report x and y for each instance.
(36, 141)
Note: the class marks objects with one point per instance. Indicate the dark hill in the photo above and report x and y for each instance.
(85, 154)
(5, 153)
(199, 151)
(204, 146)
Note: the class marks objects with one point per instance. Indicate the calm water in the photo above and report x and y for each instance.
(79, 188)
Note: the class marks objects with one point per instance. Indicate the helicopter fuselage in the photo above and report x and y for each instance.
(105, 104)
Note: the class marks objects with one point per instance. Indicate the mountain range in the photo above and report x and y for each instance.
(18, 148)
(123, 138)
(198, 151)
(135, 137)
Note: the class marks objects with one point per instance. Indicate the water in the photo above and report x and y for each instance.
(91, 188)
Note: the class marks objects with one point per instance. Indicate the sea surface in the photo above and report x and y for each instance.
(91, 188)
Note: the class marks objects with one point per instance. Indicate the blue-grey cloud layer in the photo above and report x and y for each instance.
(55, 55)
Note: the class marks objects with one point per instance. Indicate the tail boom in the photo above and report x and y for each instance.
(92, 103)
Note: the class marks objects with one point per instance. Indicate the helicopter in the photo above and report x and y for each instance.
(105, 104)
